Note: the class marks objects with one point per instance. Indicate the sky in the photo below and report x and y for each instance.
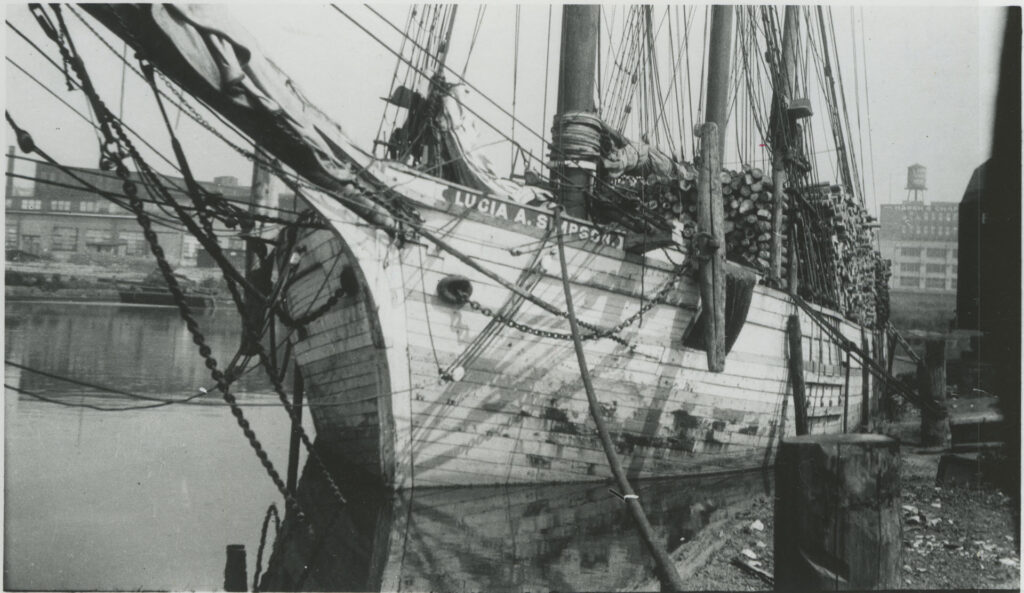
(930, 74)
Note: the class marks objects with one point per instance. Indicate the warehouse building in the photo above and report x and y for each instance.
(56, 218)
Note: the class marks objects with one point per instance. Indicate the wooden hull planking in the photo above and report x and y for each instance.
(372, 364)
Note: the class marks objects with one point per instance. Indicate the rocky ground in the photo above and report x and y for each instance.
(954, 536)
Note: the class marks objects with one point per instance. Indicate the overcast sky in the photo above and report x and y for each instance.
(930, 74)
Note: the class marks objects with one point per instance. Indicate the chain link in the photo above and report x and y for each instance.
(115, 149)
(596, 332)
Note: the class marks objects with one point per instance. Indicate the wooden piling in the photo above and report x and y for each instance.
(796, 373)
(837, 513)
(235, 578)
(931, 380)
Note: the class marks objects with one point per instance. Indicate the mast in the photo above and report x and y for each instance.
(784, 86)
(719, 60)
(576, 75)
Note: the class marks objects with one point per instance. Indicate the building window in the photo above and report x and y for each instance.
(952, 284)
(62, 205)
(31, 204)
(935, 283)
(88, 206)
(135, 243)
(8, 204)
(940, 253)
(910, 267)
(936, 268)
(911, 251)
(955, 253)
(64, 239)
(11, 238)
(909, 282)
(954, 269)
(98, 236)
(103, 207)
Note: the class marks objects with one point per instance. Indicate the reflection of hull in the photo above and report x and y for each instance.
(519, 413)
(159, 296)
(520, 538)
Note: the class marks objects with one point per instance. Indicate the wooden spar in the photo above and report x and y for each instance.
(783, 88)
(719, 61)
(298, 392)
(796, 373)
(710, 219)
(667, 574)
(837, 513)
(580, 24)
(259, 199)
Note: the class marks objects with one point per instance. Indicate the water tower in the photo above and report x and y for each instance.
(917, 177)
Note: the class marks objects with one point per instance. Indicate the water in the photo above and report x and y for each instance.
(148, 499)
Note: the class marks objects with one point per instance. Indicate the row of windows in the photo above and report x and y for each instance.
(946, 231)
(937, 283)
(933, 252)
(65, 238)
(57, 205)
(929, 268)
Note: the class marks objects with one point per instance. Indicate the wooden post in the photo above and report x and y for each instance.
(931, 378)
(837, 513)
(846, 395)
(711, 220)
(888, 402)
(796, 373)
(235, 578)
(293, 445)
(865, 385)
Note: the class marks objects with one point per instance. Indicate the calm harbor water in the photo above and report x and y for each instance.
(148, 499)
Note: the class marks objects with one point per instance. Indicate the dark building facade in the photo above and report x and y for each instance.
(59, 219)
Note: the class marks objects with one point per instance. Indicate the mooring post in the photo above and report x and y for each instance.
(796, 373)
(293, 445)
(837, 513)
(234, 569)
(931, 380)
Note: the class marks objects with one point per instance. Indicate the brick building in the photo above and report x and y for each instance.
(921, 241)
(59, 219)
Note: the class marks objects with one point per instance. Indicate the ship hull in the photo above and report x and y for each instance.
(421, 391)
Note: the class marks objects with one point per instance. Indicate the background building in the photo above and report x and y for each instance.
(56, 218)
(921, 241)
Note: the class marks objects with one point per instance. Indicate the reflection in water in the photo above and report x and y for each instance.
(143, 499)
(148, 499)
(525, 538)
(136, 349)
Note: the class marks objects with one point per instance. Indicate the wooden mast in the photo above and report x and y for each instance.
(784, 87)
(580, 24)
(710, 211)
(719, 61)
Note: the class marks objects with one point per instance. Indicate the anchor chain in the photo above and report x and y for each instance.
(596, 332)
(114, 149)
